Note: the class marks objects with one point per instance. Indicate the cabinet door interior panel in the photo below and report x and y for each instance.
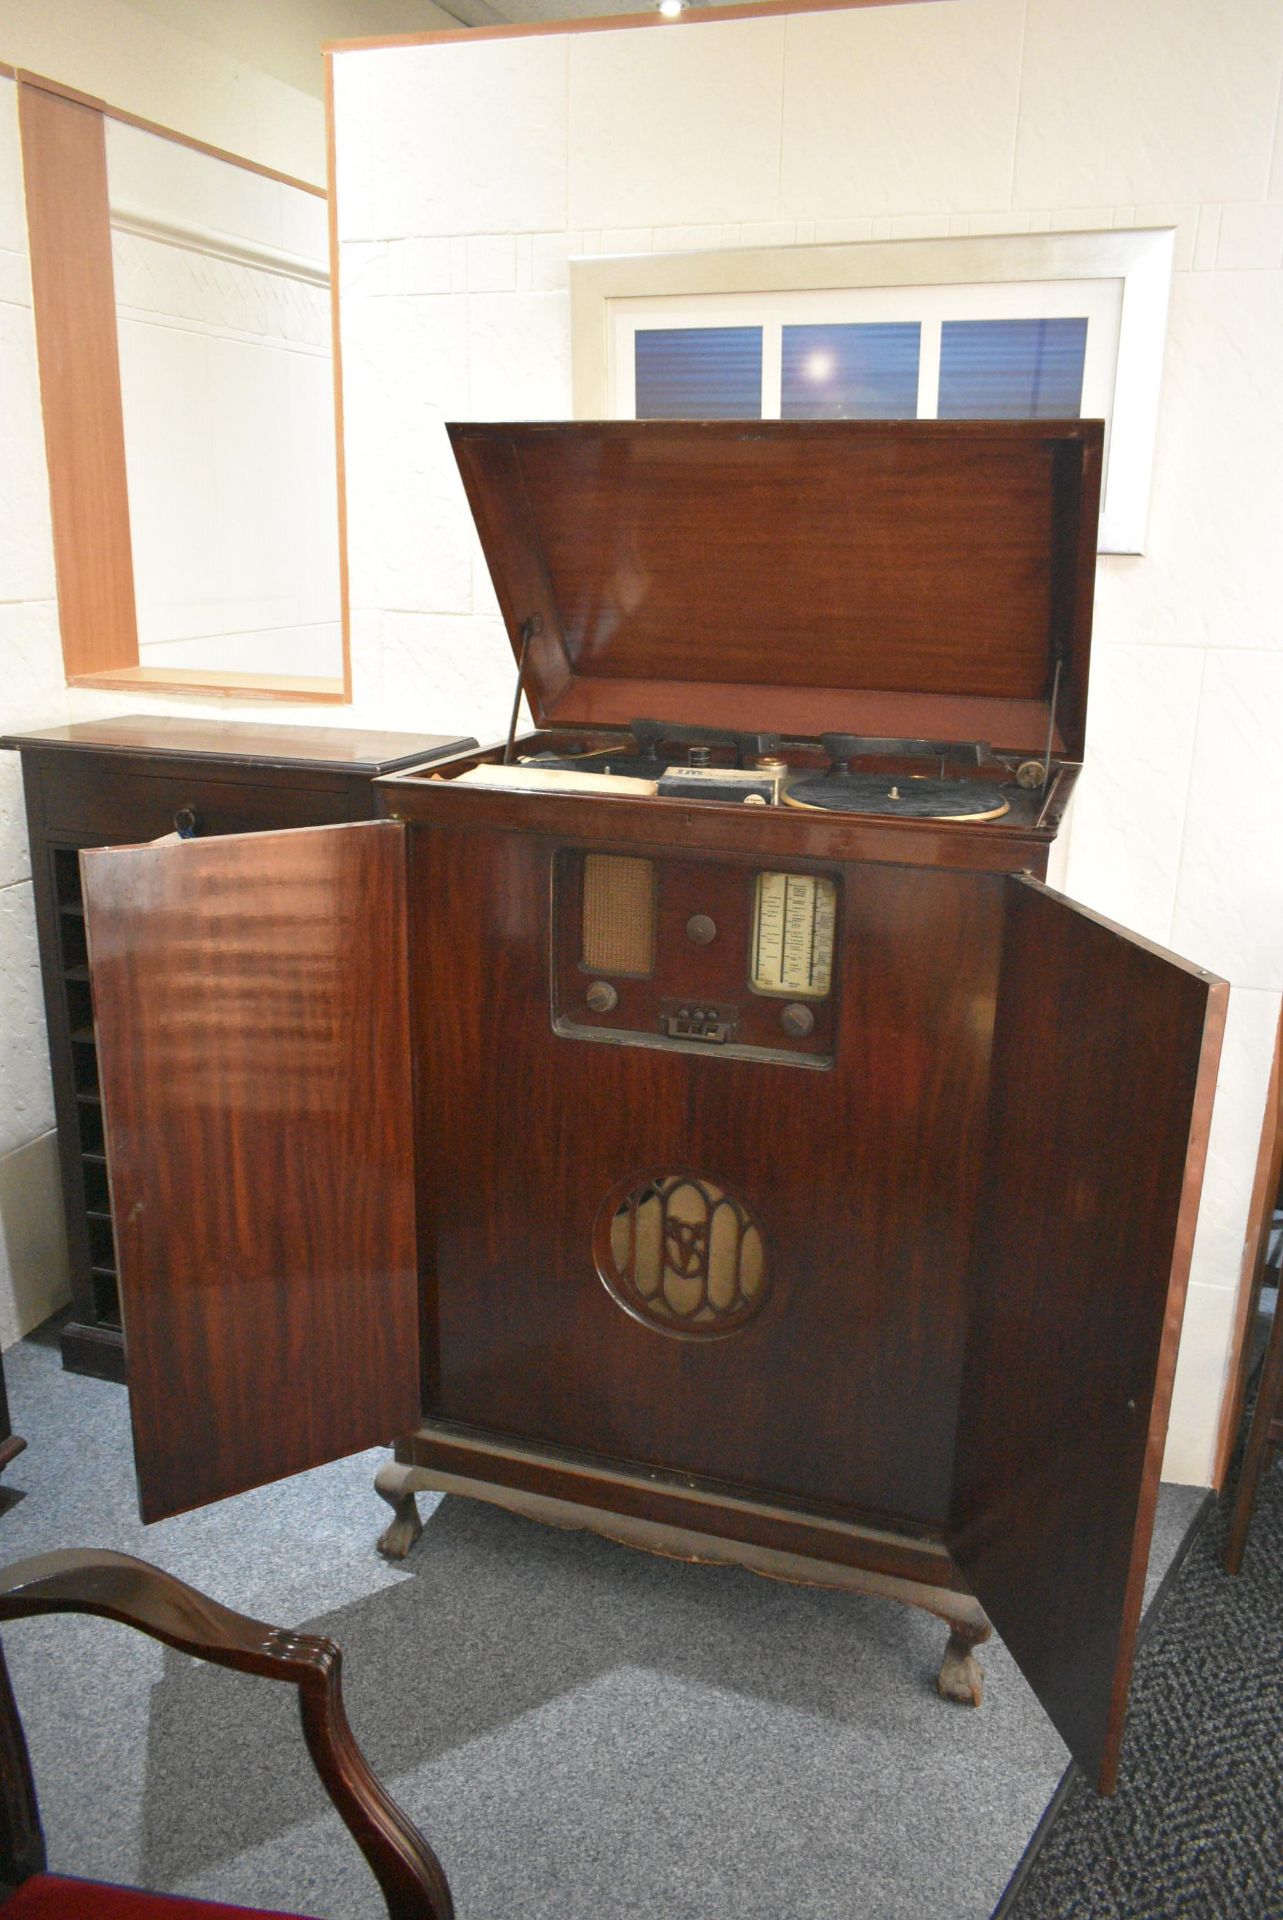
(251, 1013)
(1105, 1054)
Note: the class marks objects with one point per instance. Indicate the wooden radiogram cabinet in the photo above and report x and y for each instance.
(786, 1176)
(133, 778)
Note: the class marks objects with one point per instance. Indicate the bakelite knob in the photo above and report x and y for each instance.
(602, 997)
(797, 1021)
(701, 928)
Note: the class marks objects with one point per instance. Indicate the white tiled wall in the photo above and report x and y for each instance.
(33, 1259)
(116, 53)
(468, 176)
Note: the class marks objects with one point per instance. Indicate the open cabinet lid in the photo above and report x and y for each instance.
(913, 577)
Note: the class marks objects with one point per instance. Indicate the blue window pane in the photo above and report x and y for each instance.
(1012, 369)
(699, 373)
(850, 372)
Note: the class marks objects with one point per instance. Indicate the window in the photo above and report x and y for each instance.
(1043, 326)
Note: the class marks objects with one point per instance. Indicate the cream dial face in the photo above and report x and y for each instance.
(794, 917)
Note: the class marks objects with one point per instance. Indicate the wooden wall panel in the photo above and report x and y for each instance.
(65, 167)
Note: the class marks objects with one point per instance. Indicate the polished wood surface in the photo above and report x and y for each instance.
(311, 689)
(343, 749)
(844, 1386)
(73, 293)
(1104, 1063)
(135, 778)
(1266, 1187)
(657, 1498)
(114, 1586)
(250, 1003)
(857, 558)
(769, 834)
(61, 91)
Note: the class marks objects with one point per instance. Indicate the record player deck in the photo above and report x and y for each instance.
(897, 779)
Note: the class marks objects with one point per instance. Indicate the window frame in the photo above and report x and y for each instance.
(1138, 260)
(69, 227)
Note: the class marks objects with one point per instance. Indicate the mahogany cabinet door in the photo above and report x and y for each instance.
(250, 1002)
(1104, 1066)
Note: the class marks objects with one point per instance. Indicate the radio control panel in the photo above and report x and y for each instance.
(701, 955)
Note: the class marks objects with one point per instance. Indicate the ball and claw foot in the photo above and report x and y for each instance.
(961, 1675)
(405, 1526)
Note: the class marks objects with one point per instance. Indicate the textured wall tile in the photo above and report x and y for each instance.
(15, 854)
(34, 692)
(519, 356)
(1081, 219)
(1251, 235)
(675, 127)
(1129, 805)
(27, 1108)
(34, 1280)
(26, 543)
(15, 280)
(1169, 213)
(492, 263)
(768, 233)
(13, 223)
(626, 240)
(366, 267)
(1229, 892)
(1207, 240)
(1200, 1382)
(900, 109)
(1209, 575)
(405, 372)
(1135, 102)
(452, 138)
(449, 675)
(1235, 1138)
(688, 239)
(549, 255)
(841, 231)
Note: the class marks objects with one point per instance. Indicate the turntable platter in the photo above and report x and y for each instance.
(902, 796)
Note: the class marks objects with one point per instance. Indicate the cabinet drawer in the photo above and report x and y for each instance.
(108, 804)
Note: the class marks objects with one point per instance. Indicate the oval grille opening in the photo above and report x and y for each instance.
(682, 1253)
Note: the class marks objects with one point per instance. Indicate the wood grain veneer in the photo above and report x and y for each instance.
(1103, 1048)
(68, 221)
(251, 1005)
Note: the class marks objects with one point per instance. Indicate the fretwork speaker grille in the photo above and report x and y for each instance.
(681, 1253)
(619, 914)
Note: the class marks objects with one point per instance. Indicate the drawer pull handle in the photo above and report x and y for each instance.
(186, 823)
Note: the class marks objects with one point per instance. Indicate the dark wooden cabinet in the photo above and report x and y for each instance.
(804, 1185)
(133, 779)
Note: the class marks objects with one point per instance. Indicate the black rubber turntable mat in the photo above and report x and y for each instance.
(900, 796)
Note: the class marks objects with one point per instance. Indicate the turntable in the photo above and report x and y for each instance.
(706, 1128)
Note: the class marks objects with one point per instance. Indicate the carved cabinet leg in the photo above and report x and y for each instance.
(395, 1484)
(961, 1675)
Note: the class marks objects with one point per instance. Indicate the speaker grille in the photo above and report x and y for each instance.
(619, 914)
(680, 1252)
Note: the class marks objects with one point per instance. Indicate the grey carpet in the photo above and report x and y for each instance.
(1195, 1827)
(582, 1731)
